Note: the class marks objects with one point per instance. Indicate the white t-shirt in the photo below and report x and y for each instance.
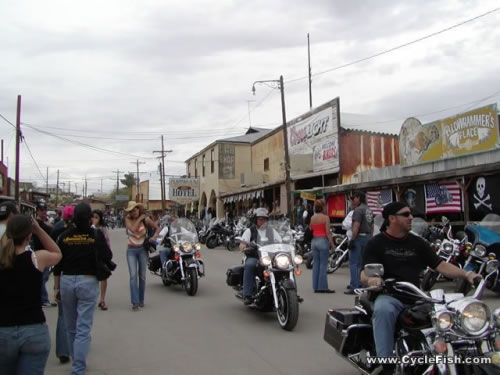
(347, 224)
(3, 227)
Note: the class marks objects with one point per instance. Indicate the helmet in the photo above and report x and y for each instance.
(261, 212)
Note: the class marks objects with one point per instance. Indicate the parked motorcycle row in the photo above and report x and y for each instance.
(435, 324)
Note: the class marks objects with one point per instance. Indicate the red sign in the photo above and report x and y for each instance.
(336, 206)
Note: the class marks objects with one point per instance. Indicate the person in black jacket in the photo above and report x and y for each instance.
(81, 248)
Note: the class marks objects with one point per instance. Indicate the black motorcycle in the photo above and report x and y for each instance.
(219, 234)
(434, 328)
(184, 265)
(277, 267)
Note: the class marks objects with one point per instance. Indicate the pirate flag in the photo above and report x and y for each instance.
(484, 197)
(414, 197)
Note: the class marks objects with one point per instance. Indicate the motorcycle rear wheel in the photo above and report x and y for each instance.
(212, 242)
(333, 262)
(288, 308)
(309, 262)
(231, 245)
(191, 281)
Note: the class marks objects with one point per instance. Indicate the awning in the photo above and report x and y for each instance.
(253, 192)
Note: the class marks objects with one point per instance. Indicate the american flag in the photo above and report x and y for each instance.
(443, 198)
(376, 200)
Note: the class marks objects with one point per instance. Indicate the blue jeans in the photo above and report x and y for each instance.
(25, 349)
(385, 314)
(137, 260)
(79, 298)
(62, 343)
(45, 278)
(249, 273)
(164, 255)
(355, 259)
(320, 251)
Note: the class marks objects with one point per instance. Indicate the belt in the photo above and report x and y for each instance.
(363, 234)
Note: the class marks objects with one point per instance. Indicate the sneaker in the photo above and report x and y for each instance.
(349, 292)
(141, 305)
(247, 301)
(135, 307)
(63, 359)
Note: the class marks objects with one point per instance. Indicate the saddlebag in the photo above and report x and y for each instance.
(154, 263)
(348, 330)
(234, 276)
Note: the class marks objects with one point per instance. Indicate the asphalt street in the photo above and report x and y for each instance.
(210, 333)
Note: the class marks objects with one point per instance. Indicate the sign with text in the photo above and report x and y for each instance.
(462, 134)
(315, 136)
(184, 190)
(226, 161)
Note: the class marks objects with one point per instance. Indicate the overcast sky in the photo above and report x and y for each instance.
(117, 74)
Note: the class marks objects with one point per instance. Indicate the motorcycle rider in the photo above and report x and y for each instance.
(403, 255)
(261, 233)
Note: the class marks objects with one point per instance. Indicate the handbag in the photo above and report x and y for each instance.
(102, 271)
(148, 246)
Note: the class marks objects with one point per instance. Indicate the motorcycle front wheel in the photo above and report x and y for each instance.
(212, 242)
(191, 281)
(334, 262)
(164, 278)
(231, 245)
(288, 308)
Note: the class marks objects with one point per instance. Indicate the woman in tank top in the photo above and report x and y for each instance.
(136, 223)
(320, 245)
(23, 333)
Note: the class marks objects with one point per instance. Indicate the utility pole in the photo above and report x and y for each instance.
(162, 174)
(309, 71)
(101, 185)
(85, 188)
(138, 182)
(47, 182)
(117, 181)
(57, 188)
(18, 145)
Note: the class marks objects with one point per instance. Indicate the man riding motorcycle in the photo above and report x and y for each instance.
(403, 255)
(260, 231)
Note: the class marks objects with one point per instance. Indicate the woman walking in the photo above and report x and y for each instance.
(137, 225)
(321, 242)
(99, 223)
(23, 333)
(82, 247)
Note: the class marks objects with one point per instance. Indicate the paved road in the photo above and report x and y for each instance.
(210, 333)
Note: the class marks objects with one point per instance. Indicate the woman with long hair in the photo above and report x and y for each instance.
(99, 223)
(137, 225)
(82, 247)
(23, 333)
(320, 245)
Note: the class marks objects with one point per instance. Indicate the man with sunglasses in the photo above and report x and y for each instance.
(403, 255)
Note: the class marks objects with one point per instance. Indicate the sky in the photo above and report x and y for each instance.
(102, 81)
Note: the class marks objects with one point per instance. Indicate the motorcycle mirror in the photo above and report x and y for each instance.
(374, 270)
(444, 220)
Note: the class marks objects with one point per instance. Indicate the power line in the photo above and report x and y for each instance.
(34, 161)
(398, 47)
(7, 121)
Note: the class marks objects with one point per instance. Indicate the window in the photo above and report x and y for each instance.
(266, 164)
(189, 169)
(203, 166)
(212, 161)
(195, 168)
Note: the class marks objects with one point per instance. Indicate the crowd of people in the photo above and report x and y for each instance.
(78, 248)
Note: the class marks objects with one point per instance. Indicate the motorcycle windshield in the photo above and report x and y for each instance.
(488, 230)
(419, 226)
(275, 236)
(183, 230)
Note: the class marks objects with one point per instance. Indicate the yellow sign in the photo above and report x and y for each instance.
(308, 196)
(466, 133)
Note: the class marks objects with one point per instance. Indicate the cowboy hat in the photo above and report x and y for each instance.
(132, 205)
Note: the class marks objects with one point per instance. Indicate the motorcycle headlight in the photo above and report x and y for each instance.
(496, 317)
(437, 243)
(338, 241)
(474, 317)
(282, 261)
(266, 261)
(444, 320)
(197, 246)
(491, 266)
(187, 247)
(448, 248)
(297, 259)
(480, 251)
(468, 246)
(176, 248)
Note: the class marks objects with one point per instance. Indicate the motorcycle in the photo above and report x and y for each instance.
(276, 270)
(233, 241)
(451, 250)
(204, 230)
(340, 253)
(483, 258)
(219, 234)
(429, 330)
(184, 265)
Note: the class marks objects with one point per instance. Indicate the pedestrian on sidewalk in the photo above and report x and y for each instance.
(137, 225)
(99, 223)
(23, 332)
(81, 248)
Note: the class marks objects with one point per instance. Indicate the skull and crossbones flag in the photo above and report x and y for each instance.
(484, 197)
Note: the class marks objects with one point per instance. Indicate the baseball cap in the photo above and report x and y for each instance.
(41, 206)
(68, 212)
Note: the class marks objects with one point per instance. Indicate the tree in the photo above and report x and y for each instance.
(129, 180)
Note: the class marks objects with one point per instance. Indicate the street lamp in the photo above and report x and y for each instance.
(275, 83)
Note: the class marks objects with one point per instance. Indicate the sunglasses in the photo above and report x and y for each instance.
(405, 214)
